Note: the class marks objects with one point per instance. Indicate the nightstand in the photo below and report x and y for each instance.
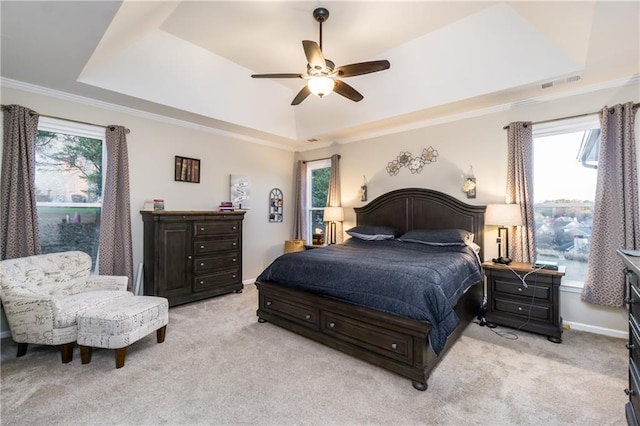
(313, 246)
(534, 307)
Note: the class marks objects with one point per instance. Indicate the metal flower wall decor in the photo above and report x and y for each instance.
(414, 164)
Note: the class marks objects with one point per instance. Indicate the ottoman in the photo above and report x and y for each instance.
(120, 323)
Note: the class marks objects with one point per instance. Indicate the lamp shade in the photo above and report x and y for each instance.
(333, 214)
(321, 86)
(503, 215)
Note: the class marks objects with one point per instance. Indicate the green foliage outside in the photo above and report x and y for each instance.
(320, 187)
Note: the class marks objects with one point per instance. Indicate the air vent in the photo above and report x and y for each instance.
(560, 81)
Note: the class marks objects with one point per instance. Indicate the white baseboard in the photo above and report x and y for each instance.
(597, 330)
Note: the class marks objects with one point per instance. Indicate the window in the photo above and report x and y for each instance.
(318, 173)
(565, 173)
(68, 184)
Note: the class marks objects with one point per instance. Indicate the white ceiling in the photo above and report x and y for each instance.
(192, 60)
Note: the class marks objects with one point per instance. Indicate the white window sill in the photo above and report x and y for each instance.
(571, 286)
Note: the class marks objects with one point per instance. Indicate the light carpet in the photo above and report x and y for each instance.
(218, 365)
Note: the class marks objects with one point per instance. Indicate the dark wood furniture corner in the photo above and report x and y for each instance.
(632, 300)
(192, 255)
(313, 246)
(534, 307)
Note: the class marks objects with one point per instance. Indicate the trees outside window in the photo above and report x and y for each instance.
(318, 173)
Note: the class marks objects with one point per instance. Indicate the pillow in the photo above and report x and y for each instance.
(438, 237)
(373, 233)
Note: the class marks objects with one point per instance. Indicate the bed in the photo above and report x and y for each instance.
(406, 343)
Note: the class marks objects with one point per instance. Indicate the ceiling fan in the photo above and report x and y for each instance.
(322, 73)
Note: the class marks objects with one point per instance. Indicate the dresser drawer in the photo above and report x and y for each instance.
(205, 264)
(516, 288)
(634, 387)
(209, 281)
(525, 310)
(212, 246)
(217, 228)
(634, 301)
(293, 311)
(634, 339)
(386, 342)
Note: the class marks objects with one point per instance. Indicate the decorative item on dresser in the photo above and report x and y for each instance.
(631, 259)
(524, 297)
(192, 255)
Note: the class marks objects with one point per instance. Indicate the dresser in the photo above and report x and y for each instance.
(532, 306)
(632, 300)
(192, 255)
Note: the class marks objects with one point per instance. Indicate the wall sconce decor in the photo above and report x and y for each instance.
(363, 189)
(414, 164)
(469, 186)
(333, 215)
(504, 216)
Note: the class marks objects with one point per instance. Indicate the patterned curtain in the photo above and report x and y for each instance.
(20, 236)
(115, 254)
(334, 197)
(300, 203)
(615, 218)
(522, 247)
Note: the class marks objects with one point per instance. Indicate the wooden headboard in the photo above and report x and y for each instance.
(417, 208)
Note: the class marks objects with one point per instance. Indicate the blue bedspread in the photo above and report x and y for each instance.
(407, 279)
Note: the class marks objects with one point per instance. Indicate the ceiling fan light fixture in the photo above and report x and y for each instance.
(321, 86)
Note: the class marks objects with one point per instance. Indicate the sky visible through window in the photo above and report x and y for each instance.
(558, 173)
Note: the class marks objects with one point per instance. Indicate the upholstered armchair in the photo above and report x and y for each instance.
(43, 296)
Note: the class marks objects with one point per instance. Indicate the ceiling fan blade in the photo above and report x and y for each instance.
(276, 76)
(342, 88)
(362, 68)
(314, 55)
(301, 96)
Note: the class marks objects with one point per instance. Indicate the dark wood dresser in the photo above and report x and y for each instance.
(192, 255)
(632, 300)
(534, 307)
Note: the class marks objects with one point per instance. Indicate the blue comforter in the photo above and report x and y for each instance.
(412, 280)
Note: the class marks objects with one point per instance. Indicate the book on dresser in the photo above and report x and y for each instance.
(192, 255)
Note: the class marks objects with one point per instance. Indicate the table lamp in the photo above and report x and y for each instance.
(333, 215)
(504, 216)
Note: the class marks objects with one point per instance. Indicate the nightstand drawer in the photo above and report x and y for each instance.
(388, 343)
(525, 310)
(516, 288)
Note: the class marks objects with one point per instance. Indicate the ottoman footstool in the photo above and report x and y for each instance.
(120, 323)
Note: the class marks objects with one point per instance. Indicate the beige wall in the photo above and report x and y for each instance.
(479, 142)
(152, 145)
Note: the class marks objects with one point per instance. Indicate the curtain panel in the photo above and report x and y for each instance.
(115, 255)
(615, 218)
(20, 235)
(522, 247)
(334, 196)
(300, 202)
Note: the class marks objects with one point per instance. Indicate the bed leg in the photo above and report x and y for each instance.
(421, 386)
(262, 320)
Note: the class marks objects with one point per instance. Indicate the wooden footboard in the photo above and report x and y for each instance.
(397, 344)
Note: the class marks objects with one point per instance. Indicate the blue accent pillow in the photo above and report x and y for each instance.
(373, 233)
(438, 237)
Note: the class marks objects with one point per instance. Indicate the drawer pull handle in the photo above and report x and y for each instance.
(394, 346)
(307, 316)
(189, 257)
(202, 229)
(201, 264)
(519, 308)
(234, 244)
(233, 276)
(629, 300)
(201, 282)
(519, 289)
(201, 247)
(630, 345)
(234, 227)
(629, 392)
(233, 260)
(269, 303)
(332, 324)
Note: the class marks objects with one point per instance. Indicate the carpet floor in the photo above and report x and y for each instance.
(218, 365)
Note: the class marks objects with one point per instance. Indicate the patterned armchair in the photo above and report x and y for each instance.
(43, 296)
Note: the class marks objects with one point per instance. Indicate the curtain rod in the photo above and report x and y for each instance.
(566, 118)
(73, 121)
(317, 159)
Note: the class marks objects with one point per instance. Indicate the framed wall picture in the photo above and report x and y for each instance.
(187, 169)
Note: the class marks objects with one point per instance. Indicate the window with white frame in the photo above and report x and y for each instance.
(565, 159)
(318, 173)
(68, 183)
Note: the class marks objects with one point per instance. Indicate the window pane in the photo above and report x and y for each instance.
(69, 192)
(320, 187)
(564, 191)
